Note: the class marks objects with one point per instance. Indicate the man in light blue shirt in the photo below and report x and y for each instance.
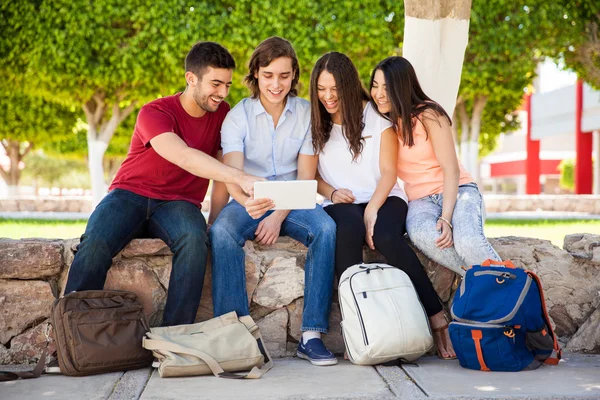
(268, 135)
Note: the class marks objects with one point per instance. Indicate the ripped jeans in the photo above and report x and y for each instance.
(470, 244)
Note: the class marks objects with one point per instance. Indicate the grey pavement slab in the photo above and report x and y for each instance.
(97, 387)
(577, 377)
(289, 379)
(131, 385)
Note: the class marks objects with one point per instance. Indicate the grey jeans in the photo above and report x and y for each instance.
(470, 244)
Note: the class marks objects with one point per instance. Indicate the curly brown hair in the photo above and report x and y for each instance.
(267, 51)
(351, 94)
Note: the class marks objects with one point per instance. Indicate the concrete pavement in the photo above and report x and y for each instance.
(577, 377)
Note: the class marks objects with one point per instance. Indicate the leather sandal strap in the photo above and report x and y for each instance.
(441, 328)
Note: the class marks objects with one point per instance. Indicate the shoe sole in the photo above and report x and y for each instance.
(52, 370)
(320, 363)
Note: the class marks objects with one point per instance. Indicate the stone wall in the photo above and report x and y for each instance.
(494, 203)
(33, 273)
(544, 202)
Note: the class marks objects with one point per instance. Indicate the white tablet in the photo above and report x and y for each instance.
(288, 195)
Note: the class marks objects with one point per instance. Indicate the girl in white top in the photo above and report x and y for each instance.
(358, 150)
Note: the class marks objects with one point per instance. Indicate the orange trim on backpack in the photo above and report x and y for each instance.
(557, 349)
(544, 333)
(477, 335)
(489, 262)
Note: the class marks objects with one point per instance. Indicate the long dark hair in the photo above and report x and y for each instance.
(406, 97)
(351, 94)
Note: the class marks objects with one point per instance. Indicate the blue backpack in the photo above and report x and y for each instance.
(500, 322)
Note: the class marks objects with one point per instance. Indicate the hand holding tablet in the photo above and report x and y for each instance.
(288, 195)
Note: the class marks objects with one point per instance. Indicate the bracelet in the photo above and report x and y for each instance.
(446, 221)
(331, 197)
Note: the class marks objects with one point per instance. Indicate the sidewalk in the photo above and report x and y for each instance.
(577, 377)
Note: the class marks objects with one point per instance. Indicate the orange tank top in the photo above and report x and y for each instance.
(419, 168)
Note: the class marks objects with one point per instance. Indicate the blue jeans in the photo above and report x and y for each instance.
(314, 228)
(470, 244)
(122, 216)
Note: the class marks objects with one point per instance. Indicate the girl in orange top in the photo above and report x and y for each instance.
(445, 210)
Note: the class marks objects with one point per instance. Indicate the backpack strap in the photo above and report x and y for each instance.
(557, 349)
(490, 262)
(34, 373)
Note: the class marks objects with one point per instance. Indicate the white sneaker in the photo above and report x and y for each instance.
(52, 367)
(155, 363)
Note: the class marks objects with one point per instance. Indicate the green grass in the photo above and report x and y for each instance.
(554, 231)
(52, 229)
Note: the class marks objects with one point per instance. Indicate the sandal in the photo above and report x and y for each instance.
(441, 331)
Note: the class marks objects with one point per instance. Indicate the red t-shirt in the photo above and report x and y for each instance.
(148, 174)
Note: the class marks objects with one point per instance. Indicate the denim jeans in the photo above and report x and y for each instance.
(314, 228)
(470, 244)
(122, 216)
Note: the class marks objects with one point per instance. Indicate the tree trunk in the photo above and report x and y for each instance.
(465, 123)
(15, 155)
(480, 102)
(100, 132)
(436, 33)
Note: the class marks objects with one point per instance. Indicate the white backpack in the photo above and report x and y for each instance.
(382, 317)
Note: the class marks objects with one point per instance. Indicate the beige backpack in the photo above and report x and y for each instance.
(220, 346)
(382, 317)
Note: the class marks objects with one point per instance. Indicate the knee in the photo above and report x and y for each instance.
(326, 230)
(194, 240)
(94, 245)
(221, 235)
(387, 240)
(421, 237)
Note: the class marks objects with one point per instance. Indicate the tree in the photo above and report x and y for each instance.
(435, 37)
(579, 21)
(105, 57)
(26, 122)
(366, 31)
(507, 41)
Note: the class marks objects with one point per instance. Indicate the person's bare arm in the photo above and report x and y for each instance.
(172, 148)
(388, 156)
(256, 208)
(440, 134)
(218, 196)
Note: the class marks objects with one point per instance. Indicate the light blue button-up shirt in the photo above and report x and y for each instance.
(269, 152)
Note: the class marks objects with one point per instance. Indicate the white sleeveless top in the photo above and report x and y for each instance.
(362, 175)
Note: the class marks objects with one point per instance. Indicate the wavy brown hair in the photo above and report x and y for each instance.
(268, 50)
(406, 97)
(351, 94)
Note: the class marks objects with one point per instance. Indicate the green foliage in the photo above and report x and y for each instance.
(70, 50)
(507, 39)
(577, 32)
(53, 171)
(567, 174)
(31, 119)
(366, 31)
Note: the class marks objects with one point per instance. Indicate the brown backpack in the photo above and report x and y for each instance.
(95, 331)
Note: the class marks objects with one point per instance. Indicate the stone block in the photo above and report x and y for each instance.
(273, 329)
(22, 304)
(282, 283)
(30, 258)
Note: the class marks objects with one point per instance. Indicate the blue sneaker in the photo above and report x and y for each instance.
(315, 351)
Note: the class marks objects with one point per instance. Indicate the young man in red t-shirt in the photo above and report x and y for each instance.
(159, 188)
